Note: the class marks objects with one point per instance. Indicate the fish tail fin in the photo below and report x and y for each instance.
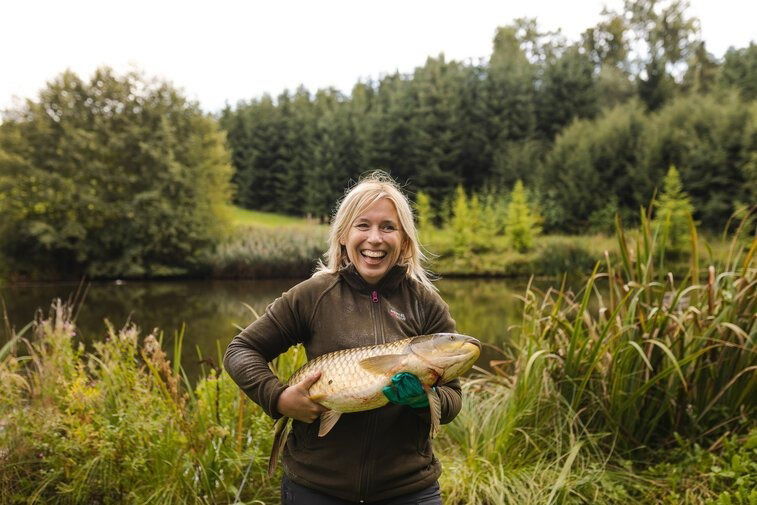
(279, 440)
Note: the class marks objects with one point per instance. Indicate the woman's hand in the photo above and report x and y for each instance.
(294, 402)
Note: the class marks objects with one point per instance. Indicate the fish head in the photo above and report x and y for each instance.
(450, 354)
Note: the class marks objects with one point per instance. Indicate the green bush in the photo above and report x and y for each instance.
(673, 215)
(461, 223)
(118, 176)
(711, 139)
(619, 160)
(591, 162)
(558, 255)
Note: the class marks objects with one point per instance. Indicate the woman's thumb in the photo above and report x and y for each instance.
(310, 380)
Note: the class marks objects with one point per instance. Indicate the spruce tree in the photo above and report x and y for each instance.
(423, 212)
(435, 132)
(522, 225)
(462, 232)
(673, 211)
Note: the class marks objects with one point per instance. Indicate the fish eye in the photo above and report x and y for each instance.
(452, 337)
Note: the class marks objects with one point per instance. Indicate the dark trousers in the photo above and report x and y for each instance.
(295, 494)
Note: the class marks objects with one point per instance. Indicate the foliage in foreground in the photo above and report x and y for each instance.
(118, 426)
(603, 398)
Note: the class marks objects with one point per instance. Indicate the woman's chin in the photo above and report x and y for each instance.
(372, 273)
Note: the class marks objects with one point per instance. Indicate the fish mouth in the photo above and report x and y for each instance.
(465, 343)
(474, 341)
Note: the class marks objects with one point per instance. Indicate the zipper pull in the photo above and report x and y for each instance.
(374, 296)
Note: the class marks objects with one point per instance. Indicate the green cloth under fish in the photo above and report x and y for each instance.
(406, 389)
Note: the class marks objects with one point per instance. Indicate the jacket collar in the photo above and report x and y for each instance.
(388, 283)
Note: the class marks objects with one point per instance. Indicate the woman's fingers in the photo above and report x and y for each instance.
(309, 381)
(294, 402)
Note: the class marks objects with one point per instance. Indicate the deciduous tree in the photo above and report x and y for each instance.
(117, 176)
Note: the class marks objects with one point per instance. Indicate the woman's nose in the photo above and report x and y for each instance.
(374, 235)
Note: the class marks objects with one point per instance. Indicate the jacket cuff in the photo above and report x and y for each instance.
(273, 400)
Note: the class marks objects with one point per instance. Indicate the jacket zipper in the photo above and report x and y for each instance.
(369, 434)
(378, 321)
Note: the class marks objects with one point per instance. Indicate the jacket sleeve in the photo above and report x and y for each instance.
(438, 320)
(247, 356)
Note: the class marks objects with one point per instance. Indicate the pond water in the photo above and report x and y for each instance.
(209, 312)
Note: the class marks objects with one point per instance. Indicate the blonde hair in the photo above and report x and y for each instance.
(371, 188)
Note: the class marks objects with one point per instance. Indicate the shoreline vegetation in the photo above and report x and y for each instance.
(648, 399)
(265, 245)
(268, 245)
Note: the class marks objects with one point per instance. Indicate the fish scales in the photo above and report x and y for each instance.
(345, 385)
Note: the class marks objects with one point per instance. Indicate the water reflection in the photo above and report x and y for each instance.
(486, 309)
(210, 311)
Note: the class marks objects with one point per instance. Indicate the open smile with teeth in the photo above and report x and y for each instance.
(373, 256)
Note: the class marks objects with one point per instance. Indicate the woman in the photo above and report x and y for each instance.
(373, 289)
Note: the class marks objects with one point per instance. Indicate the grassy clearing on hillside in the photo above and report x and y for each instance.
(246, 217)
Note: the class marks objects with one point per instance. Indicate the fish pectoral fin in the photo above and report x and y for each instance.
(328, 420)
(383, 365)
(435, 406)
(317, 397)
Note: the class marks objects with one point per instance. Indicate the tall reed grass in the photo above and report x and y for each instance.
(589, 398)
(261, 252)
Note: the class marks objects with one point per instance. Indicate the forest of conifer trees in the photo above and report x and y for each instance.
(590, 126)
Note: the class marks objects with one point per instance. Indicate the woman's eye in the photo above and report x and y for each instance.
(361, 226)
(390, 227)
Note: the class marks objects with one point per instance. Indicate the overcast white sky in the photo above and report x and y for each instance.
(223, 51)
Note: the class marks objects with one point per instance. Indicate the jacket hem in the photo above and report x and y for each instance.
(383, 495)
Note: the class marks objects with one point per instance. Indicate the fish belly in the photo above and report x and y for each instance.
(350, 391)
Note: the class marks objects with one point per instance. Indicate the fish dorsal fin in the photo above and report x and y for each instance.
(386, 364)
(435, 406)
(279, 440)
(328, 420)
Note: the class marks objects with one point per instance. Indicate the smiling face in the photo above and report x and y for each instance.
(374, 241)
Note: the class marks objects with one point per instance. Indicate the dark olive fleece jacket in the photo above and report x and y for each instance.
(367, 456)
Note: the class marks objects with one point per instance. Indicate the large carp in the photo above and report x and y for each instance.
(352, 379)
